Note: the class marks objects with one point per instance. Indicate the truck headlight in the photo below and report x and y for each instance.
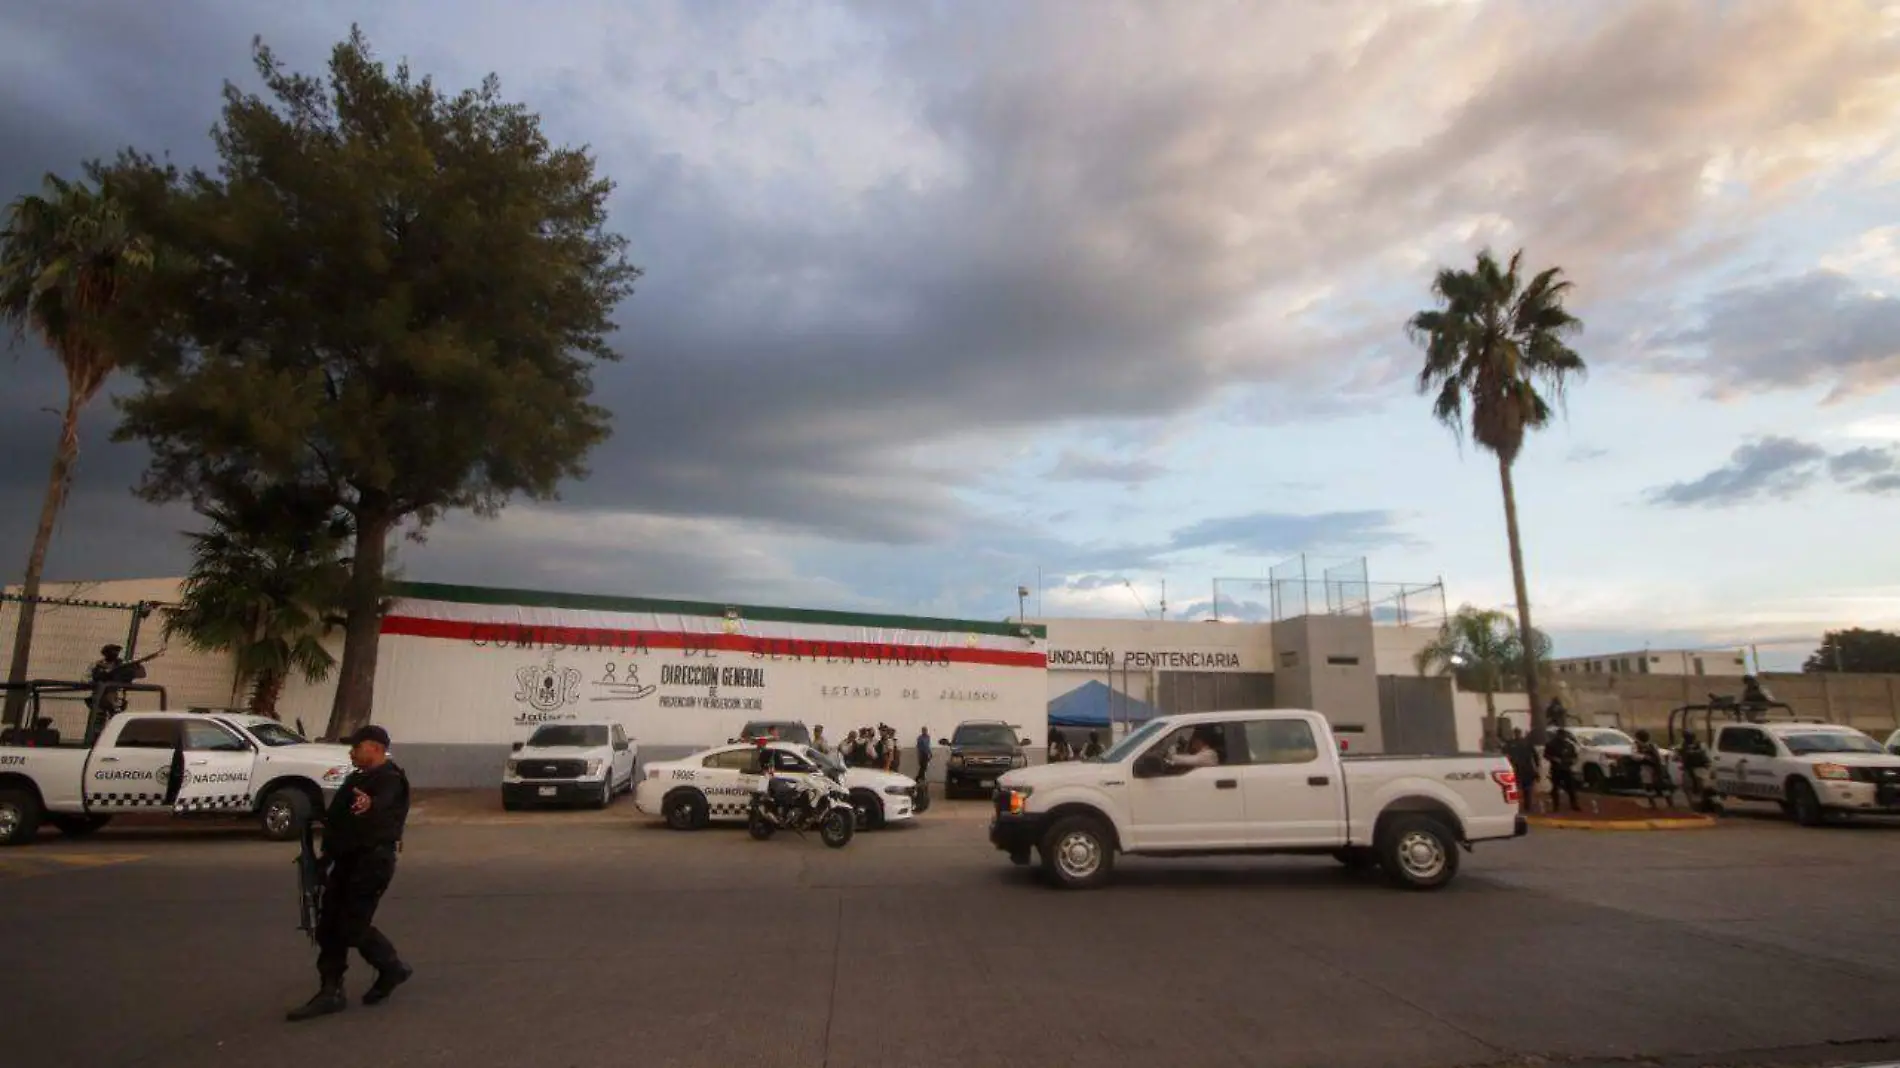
(956, 760)
(514, 769)
(1019, 799)
(1019, 761)
(337, 774)
(1831, 771)
(593, 769)
(899, 791)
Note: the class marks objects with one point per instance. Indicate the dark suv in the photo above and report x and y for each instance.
(778, 730)
(980, 751)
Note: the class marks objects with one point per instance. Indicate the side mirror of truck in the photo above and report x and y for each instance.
(1024, 742)
(515, 748)
(1150, 766)
(943, 742)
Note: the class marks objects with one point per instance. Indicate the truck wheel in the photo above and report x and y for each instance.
(284, 812)
(1077, 853)
(1807, 807)
(78, 826)
(1418, 852)
(606, 796)
(1357, 858)
(19, 817)
(684, 811)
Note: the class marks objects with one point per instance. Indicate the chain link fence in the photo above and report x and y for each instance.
(67, 636)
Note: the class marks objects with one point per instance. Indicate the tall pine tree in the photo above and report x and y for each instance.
(388, 290)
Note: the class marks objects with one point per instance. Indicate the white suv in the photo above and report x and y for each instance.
(1809, 769)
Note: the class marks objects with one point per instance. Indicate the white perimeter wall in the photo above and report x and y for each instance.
(446, 691)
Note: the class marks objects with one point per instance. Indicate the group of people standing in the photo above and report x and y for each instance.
(878, 749)
(1060, 748)
(1560, 754)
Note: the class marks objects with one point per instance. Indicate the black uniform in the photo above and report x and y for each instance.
(1523, 757)
(1561, 754)
(359, 853)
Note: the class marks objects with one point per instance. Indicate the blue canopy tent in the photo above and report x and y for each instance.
(1093, 704)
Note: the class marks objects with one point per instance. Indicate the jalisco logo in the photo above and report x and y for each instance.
(547, 689)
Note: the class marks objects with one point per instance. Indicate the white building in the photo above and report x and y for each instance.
(464, 671)
(1657, 662)
(1361, 675)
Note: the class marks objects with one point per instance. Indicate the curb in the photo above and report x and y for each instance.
(1679, 823)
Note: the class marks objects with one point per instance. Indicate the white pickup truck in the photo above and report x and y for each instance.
(1255, 782)
(184, 763)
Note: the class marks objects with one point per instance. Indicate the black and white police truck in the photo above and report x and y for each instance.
(183, 763)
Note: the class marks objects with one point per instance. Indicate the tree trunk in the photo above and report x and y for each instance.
(1524, 631)
(1490, 722)
(362, 629)
(270, 687)
(57, 482)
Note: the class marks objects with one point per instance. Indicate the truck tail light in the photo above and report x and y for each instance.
(1507, 782)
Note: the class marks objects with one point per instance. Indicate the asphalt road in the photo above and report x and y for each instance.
(598, 939)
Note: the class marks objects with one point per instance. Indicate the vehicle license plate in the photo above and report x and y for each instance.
(547, 791)
(986, 782)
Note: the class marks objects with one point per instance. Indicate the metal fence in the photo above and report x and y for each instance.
(1309, 585)
(67, 635)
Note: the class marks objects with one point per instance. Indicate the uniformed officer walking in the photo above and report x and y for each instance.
(362, 831)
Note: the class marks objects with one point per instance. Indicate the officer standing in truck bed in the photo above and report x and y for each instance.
(362, 833)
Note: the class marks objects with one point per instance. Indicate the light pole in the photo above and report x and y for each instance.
(1022, 595)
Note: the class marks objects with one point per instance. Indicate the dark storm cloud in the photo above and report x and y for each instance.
(1772, 468)
(1867, 460)
(1820, 328)
(1780, 467)
(1111, 199)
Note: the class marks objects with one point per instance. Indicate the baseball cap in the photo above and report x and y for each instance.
(371, 733)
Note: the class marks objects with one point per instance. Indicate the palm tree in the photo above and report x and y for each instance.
(266, 585)
(1492, 343)
(67, 262)
(1481, 649)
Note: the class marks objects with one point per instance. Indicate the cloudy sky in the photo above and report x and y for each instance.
(943, 297)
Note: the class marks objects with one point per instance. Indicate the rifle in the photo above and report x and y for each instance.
(309, 882)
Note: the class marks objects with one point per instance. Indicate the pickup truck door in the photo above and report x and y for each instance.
(1735, 749)
(1294, 788)
(218, 765)
(131, 767)
(1200, 808)
(623, 757)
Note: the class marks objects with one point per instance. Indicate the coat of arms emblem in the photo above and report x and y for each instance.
(548, 687)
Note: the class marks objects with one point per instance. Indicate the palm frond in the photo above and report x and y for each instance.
(1495, 350)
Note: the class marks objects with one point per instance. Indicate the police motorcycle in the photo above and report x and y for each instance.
(802, 803)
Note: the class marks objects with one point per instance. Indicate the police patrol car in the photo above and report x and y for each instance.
(183, 763)
(718, 784)
(1812, 770)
